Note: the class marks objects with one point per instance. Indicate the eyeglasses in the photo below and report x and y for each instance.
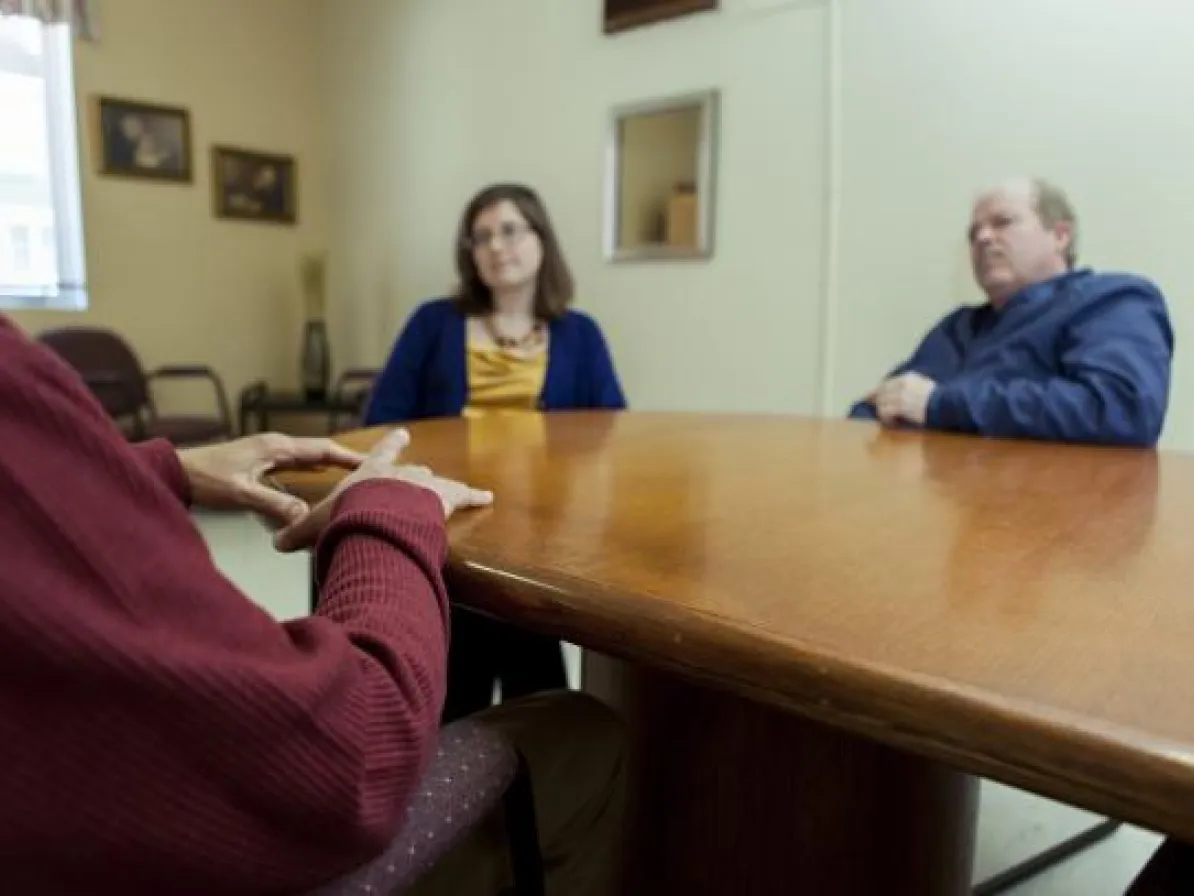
(507, 234)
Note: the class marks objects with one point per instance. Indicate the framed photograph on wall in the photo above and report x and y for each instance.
(622, 15)
(254, 186)
(143, 140)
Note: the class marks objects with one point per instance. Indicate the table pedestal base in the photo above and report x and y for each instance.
(733, 797)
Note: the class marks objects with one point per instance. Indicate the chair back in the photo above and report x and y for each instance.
(471, 773)
(354, 386)
(106, 363)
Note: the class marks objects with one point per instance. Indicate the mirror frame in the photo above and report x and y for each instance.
(708, 101)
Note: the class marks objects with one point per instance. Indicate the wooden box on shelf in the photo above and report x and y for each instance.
(682, 220)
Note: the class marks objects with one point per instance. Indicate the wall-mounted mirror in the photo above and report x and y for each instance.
(659, 179)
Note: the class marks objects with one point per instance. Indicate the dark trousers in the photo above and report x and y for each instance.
(486, 651)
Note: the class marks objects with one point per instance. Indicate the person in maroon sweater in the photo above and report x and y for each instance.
(159, 733)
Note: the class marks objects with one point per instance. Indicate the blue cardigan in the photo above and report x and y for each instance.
(1083, 357)
(427, 372)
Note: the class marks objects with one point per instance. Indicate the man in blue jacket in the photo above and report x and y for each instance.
(1056, 353)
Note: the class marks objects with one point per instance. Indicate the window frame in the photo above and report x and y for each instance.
(69, 292)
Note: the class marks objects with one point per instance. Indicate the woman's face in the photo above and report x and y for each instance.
(505, 249)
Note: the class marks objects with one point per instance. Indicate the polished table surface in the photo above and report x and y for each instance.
(1016, 610)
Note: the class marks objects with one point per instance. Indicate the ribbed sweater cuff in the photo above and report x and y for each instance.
(162, 459)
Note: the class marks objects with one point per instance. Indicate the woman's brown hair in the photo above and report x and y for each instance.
(554, 286)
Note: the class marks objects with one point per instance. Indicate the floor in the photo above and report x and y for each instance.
(1012, 825)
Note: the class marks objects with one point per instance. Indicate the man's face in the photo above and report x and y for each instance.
(1010, 247)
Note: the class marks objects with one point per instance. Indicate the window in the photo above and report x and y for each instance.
(39, 169)
(19, 238)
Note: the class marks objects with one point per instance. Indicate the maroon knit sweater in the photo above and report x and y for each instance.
(160, 734)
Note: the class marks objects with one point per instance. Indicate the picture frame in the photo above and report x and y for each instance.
(660, 191)
(140, 140)
(251, 185)
(622, 15)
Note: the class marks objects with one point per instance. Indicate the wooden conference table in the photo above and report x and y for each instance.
(821, 630)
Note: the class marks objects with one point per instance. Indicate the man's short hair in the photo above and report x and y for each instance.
(1053, 207)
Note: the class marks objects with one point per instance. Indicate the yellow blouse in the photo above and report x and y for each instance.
(500, 381)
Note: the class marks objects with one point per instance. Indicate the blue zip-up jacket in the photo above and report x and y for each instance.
(1083, 357)
(427, 372)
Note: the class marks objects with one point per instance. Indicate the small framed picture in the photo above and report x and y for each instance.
(254, 186)
(622, 15)
(144, 140)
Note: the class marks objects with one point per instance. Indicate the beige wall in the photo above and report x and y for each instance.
(181, 285)
(853, 135)
(446, 95)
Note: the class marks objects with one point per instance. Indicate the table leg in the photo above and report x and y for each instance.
(731, 796)
(1170, 872)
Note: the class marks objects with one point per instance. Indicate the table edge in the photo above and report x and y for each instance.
(1121, 772)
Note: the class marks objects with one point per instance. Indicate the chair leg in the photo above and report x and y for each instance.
(312, 583)
(1047, 859)
(522, 831)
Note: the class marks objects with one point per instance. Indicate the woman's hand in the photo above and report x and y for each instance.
(381, 463)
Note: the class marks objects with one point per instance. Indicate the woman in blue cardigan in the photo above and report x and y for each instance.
(506, 342)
